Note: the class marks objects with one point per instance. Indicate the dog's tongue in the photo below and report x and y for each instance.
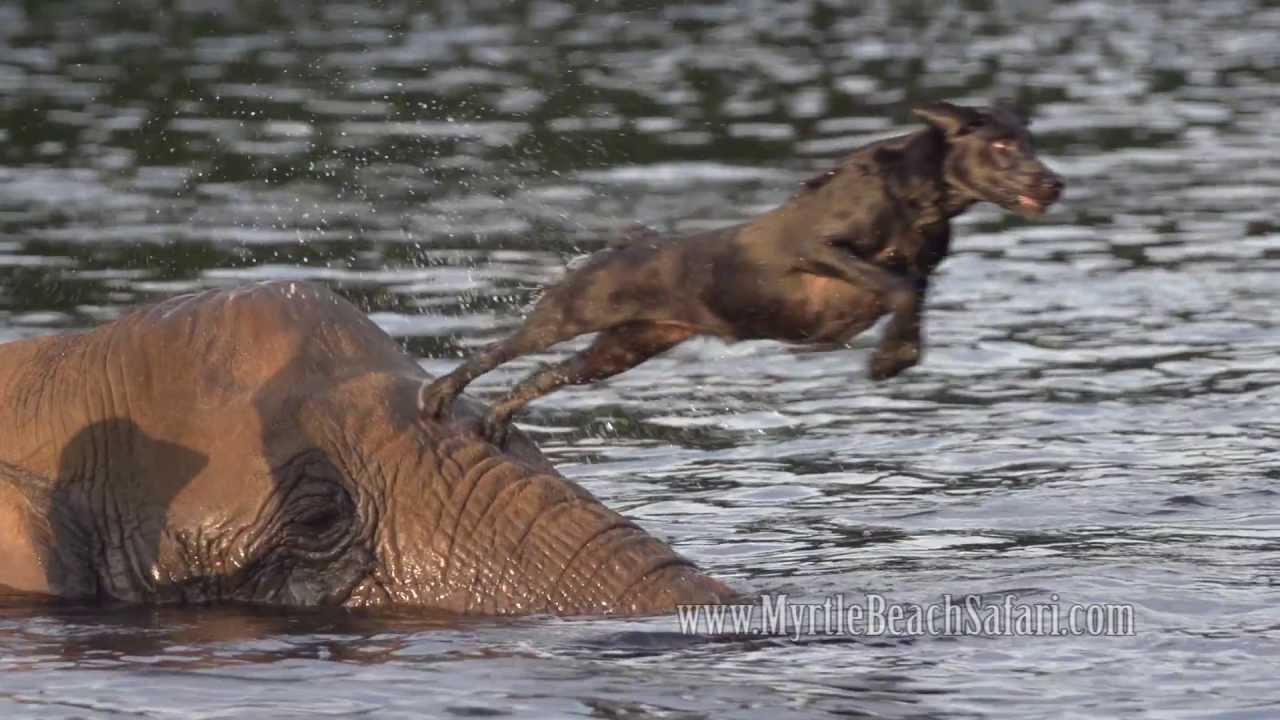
(1029, 203)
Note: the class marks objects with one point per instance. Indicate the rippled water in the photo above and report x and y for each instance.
(1095, 418)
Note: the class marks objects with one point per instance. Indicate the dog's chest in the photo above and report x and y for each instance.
(915, 250)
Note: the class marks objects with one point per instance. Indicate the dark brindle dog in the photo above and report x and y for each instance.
(857, 242)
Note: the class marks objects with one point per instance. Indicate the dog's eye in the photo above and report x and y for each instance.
(1002, 145)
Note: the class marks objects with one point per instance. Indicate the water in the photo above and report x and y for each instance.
(1094, 420)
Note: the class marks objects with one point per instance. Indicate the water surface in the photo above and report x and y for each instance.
(1095, 418)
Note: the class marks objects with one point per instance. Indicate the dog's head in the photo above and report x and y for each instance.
(990, 157)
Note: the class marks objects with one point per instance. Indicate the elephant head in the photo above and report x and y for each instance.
(263, 444)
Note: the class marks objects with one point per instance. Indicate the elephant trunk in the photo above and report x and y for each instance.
(506, 538)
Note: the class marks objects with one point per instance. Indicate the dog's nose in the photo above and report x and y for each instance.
(1052, 182)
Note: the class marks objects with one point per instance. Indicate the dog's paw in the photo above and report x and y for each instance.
(434, 399)
(890, 360)
(495, 430)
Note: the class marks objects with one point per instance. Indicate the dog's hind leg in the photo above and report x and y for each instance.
(615, 350)
(435, 398)
(547, 325)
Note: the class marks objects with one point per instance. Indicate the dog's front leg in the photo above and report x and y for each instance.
(902, 296)
(902, 344)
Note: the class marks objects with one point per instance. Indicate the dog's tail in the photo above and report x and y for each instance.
(630, 235)
(637, 232)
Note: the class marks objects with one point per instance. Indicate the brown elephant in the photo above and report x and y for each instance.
(263, 445)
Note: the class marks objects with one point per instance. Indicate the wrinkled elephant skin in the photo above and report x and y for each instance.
(263, 445)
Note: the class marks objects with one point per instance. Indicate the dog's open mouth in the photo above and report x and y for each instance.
(1027, 202)
(1031, 206)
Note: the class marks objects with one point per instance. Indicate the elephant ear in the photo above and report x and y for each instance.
(950, 119)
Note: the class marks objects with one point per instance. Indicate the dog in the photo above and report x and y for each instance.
(855, 243)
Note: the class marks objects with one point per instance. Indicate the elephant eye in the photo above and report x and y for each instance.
(318, 520)
(316, 512)
(319, 510)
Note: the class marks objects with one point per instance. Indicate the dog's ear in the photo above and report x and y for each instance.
(950, 119)
(1013, 109)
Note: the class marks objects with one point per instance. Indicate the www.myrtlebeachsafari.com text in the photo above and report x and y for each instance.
(874, 616)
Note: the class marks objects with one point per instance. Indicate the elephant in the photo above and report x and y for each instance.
(262, 444)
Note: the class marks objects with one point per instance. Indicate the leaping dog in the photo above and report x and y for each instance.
(857, 242)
